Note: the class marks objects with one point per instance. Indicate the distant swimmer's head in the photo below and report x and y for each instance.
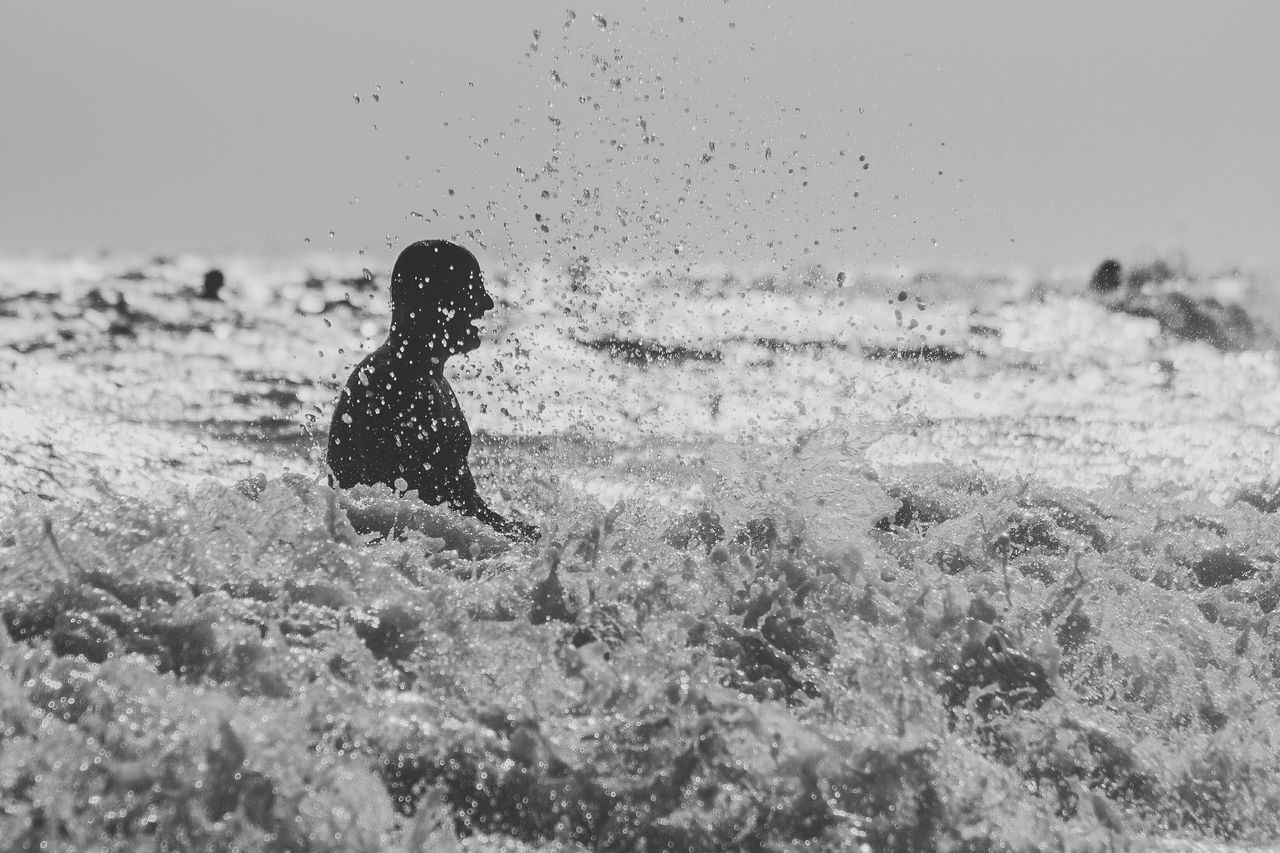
(1107, 277)
(437, 294)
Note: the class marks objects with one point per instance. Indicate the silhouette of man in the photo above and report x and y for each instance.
(397, 418)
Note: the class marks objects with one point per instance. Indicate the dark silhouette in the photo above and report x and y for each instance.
(213, 283)
(397, 418)
(1166, 292)
(1106, 278)
(1195, 318)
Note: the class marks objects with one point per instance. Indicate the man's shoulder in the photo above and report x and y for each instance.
(366, 370)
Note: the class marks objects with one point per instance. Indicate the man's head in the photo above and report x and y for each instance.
(437, 292)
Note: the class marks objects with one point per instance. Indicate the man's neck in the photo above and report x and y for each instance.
(417, 352)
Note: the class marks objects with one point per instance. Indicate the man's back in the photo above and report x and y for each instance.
(393, 422)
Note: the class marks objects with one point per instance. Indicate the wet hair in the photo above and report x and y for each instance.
(427, 274)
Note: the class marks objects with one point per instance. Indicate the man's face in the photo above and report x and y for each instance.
(467, 303)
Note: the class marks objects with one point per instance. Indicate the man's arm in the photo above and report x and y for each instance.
(468, 502)
(441, 476)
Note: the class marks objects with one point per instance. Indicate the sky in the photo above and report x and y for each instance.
(930, 134)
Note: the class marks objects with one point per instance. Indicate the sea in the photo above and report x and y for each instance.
(909, 427)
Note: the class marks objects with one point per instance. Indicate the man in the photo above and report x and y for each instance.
(397, 418)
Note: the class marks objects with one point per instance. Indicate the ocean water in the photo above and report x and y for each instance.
(1022, 559)
(1017, 376)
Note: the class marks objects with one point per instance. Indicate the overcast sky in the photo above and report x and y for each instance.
(992, 133)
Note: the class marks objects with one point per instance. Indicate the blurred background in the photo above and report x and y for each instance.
(945, 135)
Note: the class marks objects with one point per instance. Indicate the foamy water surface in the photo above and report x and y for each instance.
(116, 373)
